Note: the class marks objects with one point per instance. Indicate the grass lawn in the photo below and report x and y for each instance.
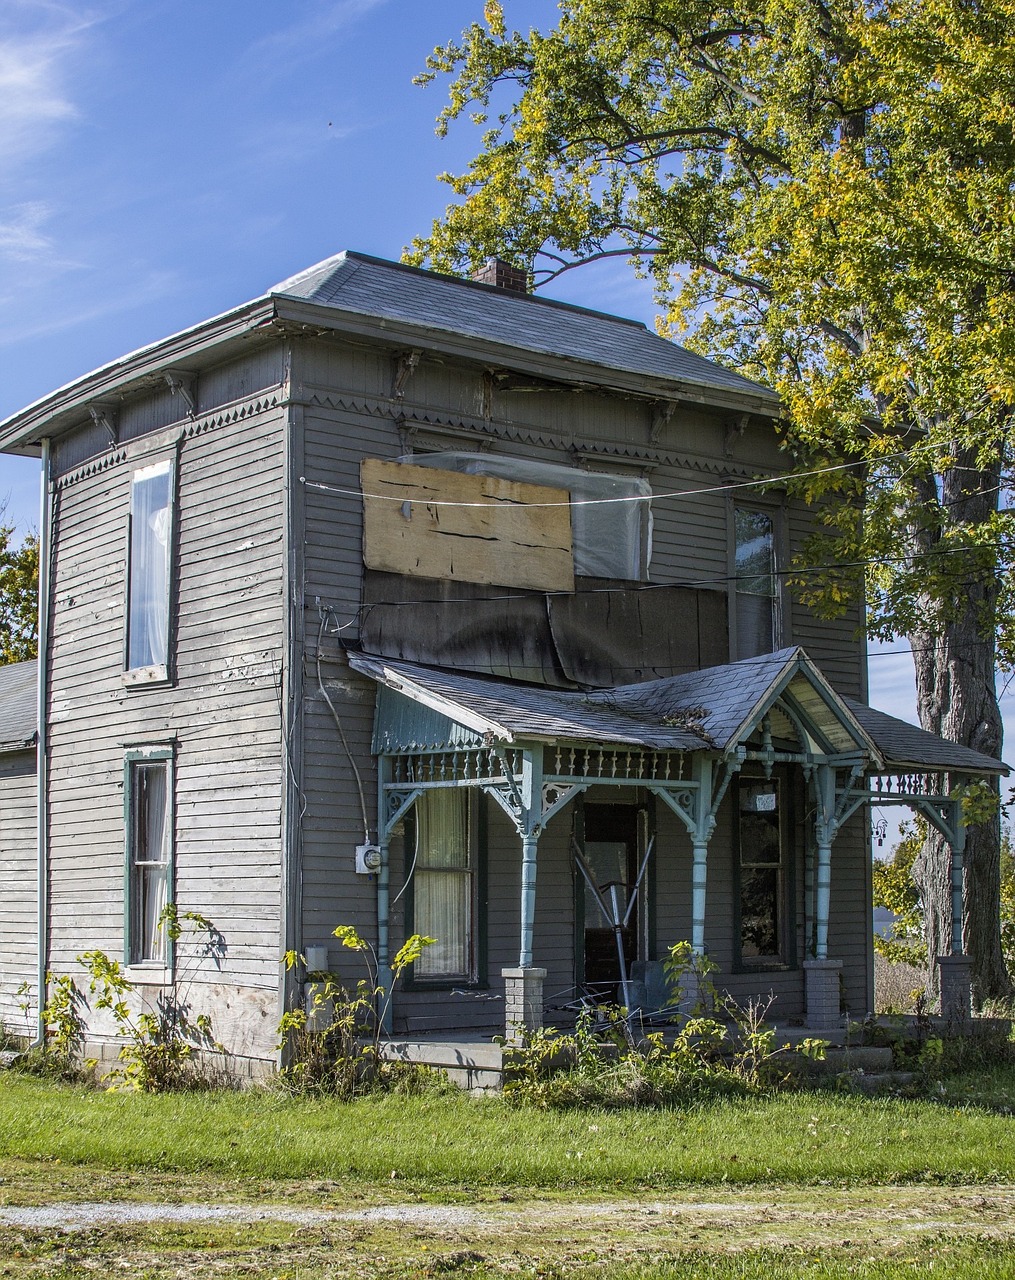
(806, 1184)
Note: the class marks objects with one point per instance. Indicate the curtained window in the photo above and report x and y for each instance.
(149, 858)
(148, 574)
(443, 884)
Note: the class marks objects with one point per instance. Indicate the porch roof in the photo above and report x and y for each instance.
(716, 710)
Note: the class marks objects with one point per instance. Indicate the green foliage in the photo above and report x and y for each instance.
(604, 1064)
(157, 1053)
(895, 890)
(158, 1045)
(333, 1045)
(19, 597)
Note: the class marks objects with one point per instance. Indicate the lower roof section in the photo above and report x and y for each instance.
(720, 710)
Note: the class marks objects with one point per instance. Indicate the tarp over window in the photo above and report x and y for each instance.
(611, 515)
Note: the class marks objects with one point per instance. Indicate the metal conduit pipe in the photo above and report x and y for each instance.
(42, 754)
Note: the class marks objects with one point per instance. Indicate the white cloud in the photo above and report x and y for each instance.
(308, 38)
(38, 40)
(22, 238)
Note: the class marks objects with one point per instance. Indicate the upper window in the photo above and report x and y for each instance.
(149, 821)
(443, 885)
(611, 515)
(756, 595)
(762, 892)
(148, 570)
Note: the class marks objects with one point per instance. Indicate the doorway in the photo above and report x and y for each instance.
(610, 846)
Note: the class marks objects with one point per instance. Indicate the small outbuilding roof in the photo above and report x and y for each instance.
(18, 705)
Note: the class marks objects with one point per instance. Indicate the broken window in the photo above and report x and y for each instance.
(756, 594)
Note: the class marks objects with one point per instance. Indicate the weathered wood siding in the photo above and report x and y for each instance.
(18, 896)
(349, 412)
(221, 715)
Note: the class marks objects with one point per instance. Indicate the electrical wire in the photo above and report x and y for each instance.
(341, 731)
(601, 502)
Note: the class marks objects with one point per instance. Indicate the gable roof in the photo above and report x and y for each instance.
(388, 302)
(18, 705)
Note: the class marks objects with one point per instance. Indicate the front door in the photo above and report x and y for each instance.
(611, 856)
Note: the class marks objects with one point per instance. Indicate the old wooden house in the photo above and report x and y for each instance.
(425, 605)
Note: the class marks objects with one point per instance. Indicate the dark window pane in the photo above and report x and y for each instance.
(759, 912)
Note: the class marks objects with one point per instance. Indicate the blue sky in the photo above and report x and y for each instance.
(164, 160)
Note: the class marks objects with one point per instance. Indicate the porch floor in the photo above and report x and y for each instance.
(477, 1064)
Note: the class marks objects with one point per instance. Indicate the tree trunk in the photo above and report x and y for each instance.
(957, 699)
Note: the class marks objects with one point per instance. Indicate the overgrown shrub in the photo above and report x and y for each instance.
(607, 1062)
(158, 1046)
(334, 1046)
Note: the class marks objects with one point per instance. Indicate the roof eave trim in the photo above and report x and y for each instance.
(62, 408)
(383, 674)
(464, 346)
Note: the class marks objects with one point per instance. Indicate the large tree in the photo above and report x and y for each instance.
(19, 596)
(822, 193)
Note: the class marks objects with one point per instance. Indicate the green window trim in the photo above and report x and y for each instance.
(156, 763)
(478, 977)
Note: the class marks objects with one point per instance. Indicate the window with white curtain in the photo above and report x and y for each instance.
(148, 570)
(443, 884)
(149, 816)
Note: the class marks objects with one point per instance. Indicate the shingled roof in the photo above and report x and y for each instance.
(717, 709)
(18, 705)
(354, 282)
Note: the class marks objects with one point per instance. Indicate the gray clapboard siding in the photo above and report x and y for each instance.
(18, 897)
(222, 712)
(691, 542)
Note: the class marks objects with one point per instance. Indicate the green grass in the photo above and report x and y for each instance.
(447, 1144)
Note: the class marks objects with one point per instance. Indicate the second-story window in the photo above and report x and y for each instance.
(756, 592)
(148, 570)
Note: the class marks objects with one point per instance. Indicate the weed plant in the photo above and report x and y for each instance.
(722, 1050)
(332, 1045)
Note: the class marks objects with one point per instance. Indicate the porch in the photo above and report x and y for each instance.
(734, 748)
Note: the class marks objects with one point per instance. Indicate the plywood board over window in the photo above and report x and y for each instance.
(443, 524)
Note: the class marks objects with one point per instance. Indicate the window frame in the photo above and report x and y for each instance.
(478, 977)
(151, 673)
(776, 512)
(786, 921)
(141, 969)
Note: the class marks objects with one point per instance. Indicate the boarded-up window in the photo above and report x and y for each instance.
(611, 515)
(441, 524)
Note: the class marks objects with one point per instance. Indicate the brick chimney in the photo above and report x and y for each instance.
(503, 275)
